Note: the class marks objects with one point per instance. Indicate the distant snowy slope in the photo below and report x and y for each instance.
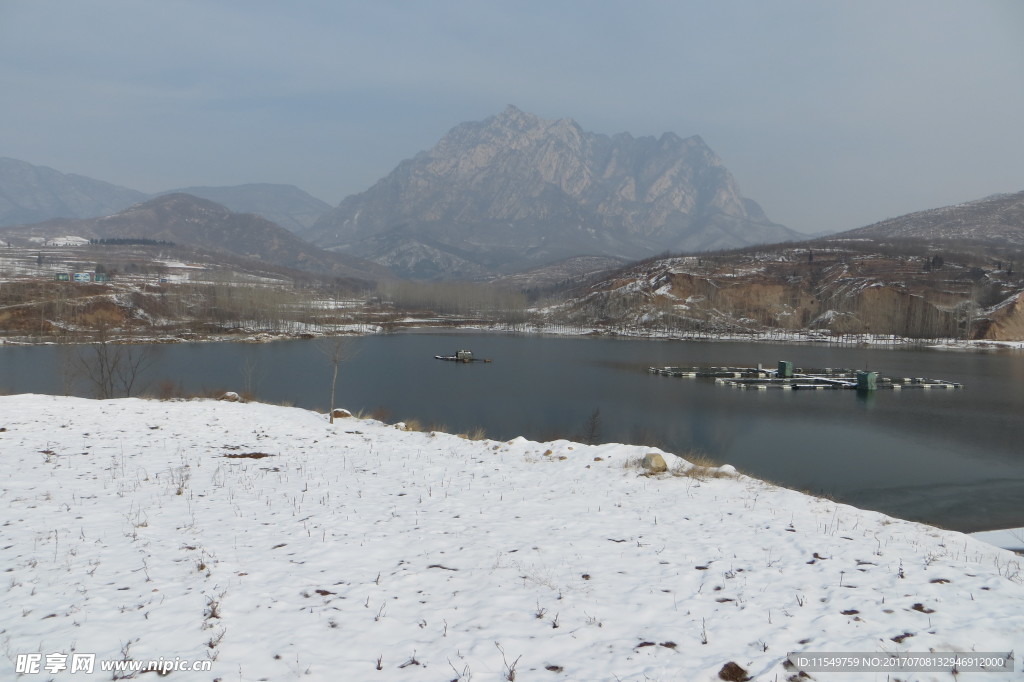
(997, 220)
(283, 547)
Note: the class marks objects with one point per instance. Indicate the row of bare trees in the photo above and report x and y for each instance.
(459, 299)
(71, 312)
(106, 366)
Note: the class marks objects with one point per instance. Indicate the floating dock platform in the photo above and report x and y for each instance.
(786, 377)
(462, 356)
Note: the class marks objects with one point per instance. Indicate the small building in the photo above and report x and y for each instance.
(867, 381)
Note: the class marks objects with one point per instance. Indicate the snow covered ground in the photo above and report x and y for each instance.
(279, 546)
(1009, 538)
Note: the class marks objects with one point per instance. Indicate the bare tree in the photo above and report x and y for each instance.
(67, 360)
(591, 434)
(251, 376)
(336, 349)
(113, 368)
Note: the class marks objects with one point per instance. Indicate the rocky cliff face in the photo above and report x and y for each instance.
(515, 191)
(829, 286)
(1005, 322)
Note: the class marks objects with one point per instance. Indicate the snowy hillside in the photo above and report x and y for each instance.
(281, 547)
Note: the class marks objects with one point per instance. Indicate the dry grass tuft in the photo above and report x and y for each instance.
(476, 434)
(412, 425)
(703, 468)
(693, 465)
(381, 414)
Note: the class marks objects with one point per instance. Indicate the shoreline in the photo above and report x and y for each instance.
(1010, 539)
(413, 326)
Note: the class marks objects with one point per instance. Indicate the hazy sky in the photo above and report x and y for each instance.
(830, 114)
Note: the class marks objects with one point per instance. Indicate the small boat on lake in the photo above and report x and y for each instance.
(461, 356)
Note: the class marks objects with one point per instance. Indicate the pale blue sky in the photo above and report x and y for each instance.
(830, 114)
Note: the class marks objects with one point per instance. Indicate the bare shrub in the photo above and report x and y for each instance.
(413, 425)
(475, 434)
(700, 467)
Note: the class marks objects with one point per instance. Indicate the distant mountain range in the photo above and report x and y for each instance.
(511, 194)
(516, 191)
(286, 205)
(190, 220)
(31, 194)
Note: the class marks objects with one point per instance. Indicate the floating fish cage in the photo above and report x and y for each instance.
(786, 377)
(464, 356)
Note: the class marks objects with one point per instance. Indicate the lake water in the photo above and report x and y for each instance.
(952, 458)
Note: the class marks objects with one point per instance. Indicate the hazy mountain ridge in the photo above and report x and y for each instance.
(186, 219)
(516, 191)
(997, 220)
(286, 205)
(31, 194)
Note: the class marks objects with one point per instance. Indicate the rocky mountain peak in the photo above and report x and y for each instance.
(516, 190)
(671, 140)
(515, 118)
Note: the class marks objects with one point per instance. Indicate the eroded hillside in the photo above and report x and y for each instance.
(839, 287)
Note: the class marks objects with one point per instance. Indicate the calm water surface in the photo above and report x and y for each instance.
(952, 458)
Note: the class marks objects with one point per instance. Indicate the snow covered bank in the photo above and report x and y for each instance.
(1008, 538)
(282, 547)
(777, 336)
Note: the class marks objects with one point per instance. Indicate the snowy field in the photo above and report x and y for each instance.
(279, 546)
